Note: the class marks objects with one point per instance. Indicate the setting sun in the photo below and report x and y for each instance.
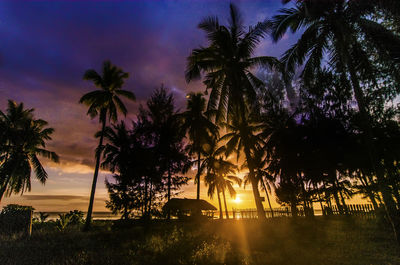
(237, 199)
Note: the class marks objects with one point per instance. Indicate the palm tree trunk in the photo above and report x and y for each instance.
(169, 183)
(4, 188)
(319, 198)
(226, 208)
(369, 192)
(390, 206)
(96, 173)
(150, 198)
(293, 209)
(169, 191)
(266, 194)
(145, 196)
(342, 197)
(220, 205)
(337, 201)
(198, 175)
(343, 202)
(254, 185)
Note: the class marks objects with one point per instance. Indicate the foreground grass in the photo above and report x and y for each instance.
(278, 241)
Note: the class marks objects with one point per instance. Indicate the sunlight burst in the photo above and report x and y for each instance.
(237, 199)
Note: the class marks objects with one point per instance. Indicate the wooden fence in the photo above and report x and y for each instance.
(360, 210)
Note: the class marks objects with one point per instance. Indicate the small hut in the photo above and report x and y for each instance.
(189, 208)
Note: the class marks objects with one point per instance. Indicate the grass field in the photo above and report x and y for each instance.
(278, 241)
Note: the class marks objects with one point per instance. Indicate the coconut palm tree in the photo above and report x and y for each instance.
(24, 142)
(200, 129)
(339, 31)
(211, 178)
(227, 63)
(226, 179)
(212, 181)
(244, 135)
(105, 103)
(117, 151)
(263, 177)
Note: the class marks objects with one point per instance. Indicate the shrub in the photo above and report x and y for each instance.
(76, 217)
(16, 218)
(63, 222)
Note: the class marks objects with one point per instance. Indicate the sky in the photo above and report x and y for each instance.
(46, 46)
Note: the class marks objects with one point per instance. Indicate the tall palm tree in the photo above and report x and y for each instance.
(338, 31)
(200, 129)
(105, 103)
(227, 63)
(24, 141)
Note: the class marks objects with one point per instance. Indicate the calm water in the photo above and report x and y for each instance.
(95, 216)
(110, 216)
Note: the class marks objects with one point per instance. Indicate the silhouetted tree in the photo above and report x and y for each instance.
(244, 135)
(23, 142)
(200, 129)
(105, 103)
(337, 30)
(227, 63)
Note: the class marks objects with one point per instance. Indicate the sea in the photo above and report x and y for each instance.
(95, 215)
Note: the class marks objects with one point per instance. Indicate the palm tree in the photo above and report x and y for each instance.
(117, 151)
(339, 31)
(262, 176)
(211, 179)
(104, 102)
(24, 141)
(226, 180)
(245, 135)
(200, 129)
(227, 63)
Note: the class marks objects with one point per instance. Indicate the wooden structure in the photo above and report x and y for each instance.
(189, 208)
(359, 210)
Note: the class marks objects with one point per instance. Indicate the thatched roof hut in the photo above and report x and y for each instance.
(189, 205)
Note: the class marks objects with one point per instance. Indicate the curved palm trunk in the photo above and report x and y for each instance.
(254, 186)
(226, 208)
(4, 186)
(96, 173)
(343, 202)
(266, 194)
(319, 198)
(220, 205)
(390, 206)
(198, 175)
(335, 192)
(370, 194)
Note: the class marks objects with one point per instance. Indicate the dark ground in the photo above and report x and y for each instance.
(279, 241)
